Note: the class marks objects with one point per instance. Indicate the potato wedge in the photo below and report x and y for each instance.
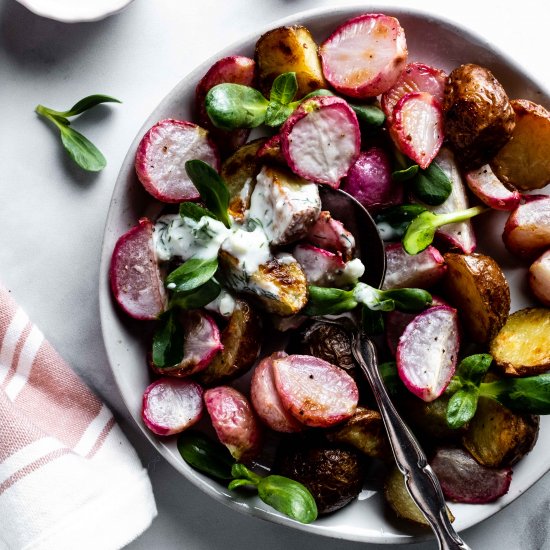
(241, 340)
(289, 49)
(522, 347)
(496, 436)
(476, 286)
(525, 160)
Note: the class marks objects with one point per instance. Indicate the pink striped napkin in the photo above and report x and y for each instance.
(68, 476)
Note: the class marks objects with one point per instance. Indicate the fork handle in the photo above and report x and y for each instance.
(420, 479)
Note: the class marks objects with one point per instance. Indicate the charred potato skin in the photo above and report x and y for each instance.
(241, 341)
(522, 346)
(476, 286)
(479, 118)
(497, 437)
(289, 49)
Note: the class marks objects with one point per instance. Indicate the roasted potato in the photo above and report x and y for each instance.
(289, 49)
(479, 119)
(241, 341)
(524, 161)
(476, 286)
(522, 346)
(365, 431)
(496, 436)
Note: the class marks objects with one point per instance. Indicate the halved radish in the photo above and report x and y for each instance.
(134, 274)
(463, 479)
(416, 77)
(417, 127)
(161, 157)
(201, 344)
(235, 69)
(331, 234)
(369, 180)
(484, 184)
(422, 270)
(317, 393)
(266, 400)
(365, 55)
(427, 352)
(320, 140)
(171, 405)
(539, 278)
(234, 421)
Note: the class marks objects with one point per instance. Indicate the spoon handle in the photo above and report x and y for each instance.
(420, 479)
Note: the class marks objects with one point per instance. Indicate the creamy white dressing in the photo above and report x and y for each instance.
(224, 304)
(387, 232)
(352, 272)
(249, 248)
(367, 295)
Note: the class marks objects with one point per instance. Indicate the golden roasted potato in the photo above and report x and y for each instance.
(496, 436)
(365, 431)
(478, 116)
(522, 346)
(239, 173)
(242, 340)
(289, 49)
(524, 161)
(476, 286)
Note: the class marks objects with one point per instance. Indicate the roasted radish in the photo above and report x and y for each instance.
(539, 278)
(171, 405)
(365, 55)
(427, 352)
(134, 274)
(331, 234)
(489, 189)
(416, 127)
(266, 400)
(234, 421)
(369, 180)
(317, 393)
(161, 156)
(270, 151)
(320, 140)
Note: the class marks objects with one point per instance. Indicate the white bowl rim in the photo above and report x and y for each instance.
(53, 10)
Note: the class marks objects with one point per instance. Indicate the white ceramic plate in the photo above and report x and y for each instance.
(74, 11)
(433, 41)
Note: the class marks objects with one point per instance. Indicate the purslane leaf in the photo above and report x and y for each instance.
(284, 88)
(191, 274)
(168, 341)
(82, 150)
(197, 297)
(462, 406)
(194, 211)
(432, 185)
(87, 103)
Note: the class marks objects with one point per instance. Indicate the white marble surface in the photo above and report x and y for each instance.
(52, 214)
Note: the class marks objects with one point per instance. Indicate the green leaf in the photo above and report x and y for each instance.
(288, 497)
(409, 299)
(474, 367)
(284, 88)
(82, 150)
(231, 106)
(191, 274)
(368, 114)
(236, 483)
(462, 407)
(198, 297)
(329, 301)
(194, 211)
(168, 341)
(372, 298)
(277, 113)
(372, 321)
(203, 454)
(212, 188)
(390, 376)
(87, 103)
(398, 218)
(242, 472)
(432, 185)
(420, 233)
(405, 174)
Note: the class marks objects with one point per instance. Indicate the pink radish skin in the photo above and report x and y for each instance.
(234, 421)
(539, 278)
(235, 69)
(527, 230)
(170, 406)
(161, 157)
(416, 77)
(369, 180)
(422, 270)
(271, 150)
(427, 352)
(315, 392)
(320, 140)
(266, 400)
(417, 127)
(331, 234)
(490, 190)
(134, 274)
(463, 479)
(365, 55)
(201, 345)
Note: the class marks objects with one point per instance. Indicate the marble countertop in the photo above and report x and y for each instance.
(52, 214)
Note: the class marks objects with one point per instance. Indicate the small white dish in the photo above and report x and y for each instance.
(75, 11)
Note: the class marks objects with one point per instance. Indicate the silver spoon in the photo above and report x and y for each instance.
(420, 480)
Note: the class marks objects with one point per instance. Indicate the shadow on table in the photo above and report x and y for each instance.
(37, 43)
